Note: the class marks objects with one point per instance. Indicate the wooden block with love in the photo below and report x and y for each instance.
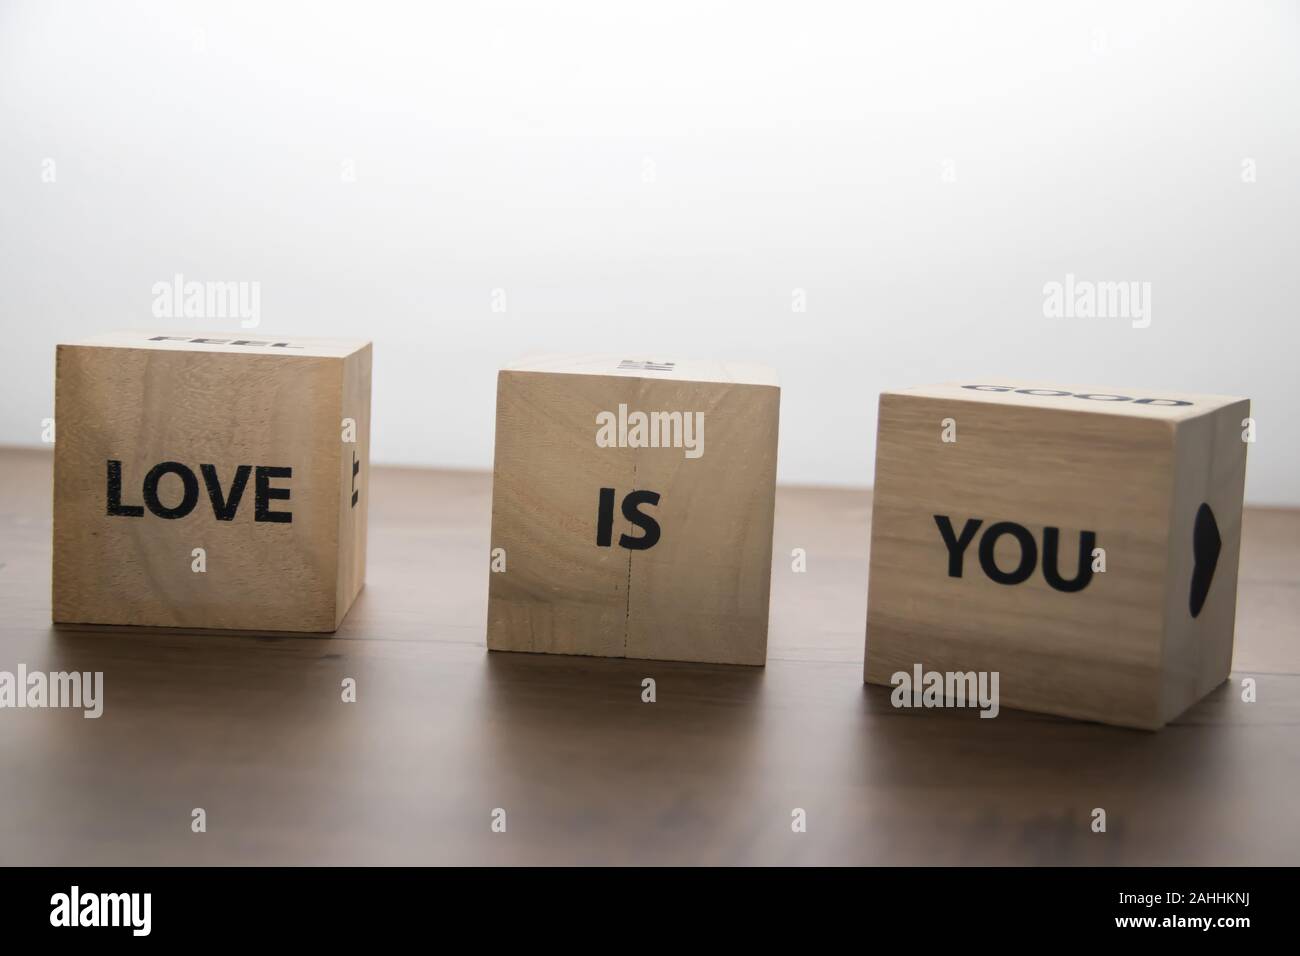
(1080, 542)
(210, 481)
(632, 509)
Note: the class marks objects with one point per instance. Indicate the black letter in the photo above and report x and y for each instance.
(605, 518)
(115, 506)
(225, 510)
(956, 548)
(1028, 552)
(1051, 542)
(188, 501)
(643, 521)
(261, 510)
(1163, 402)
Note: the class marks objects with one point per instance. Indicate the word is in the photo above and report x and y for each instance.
(632, 502)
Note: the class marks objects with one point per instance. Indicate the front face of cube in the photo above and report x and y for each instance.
(1030, 542)
(196, 489)
(632, 517)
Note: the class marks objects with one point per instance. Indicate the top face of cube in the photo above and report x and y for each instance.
(1155, 404)
(696, 370)
(226, 343)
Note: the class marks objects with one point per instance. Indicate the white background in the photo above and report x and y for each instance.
(656, 179)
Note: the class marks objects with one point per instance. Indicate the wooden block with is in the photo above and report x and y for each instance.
(632, 509)
(1082, 543)
(210, 481)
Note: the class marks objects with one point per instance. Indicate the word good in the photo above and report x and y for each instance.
(1090, 396)
(225, 502)
(651, 430)
(632, 502)
(1028, 552)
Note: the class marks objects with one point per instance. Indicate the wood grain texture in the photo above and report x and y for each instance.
(251, 727)
(1209, 472)
(138, 402)
(1123, 649)
(701, 592)
(354, 478)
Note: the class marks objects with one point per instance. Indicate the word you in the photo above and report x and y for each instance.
(75, 908)
(946, 689)
(225, 502)
(1083, 299)
(957, 545)
(179, 299)
(626, 429)
(72, 690)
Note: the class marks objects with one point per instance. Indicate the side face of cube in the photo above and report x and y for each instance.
(558, 592)
(651, 544)
(354, 480)
(1204, 549)
(991, 525)
(197, 488)
(701, 593)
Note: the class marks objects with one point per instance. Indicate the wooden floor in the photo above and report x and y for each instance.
(251, 728)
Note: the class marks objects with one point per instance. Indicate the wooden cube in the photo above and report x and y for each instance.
(235, 445)
(983, 548)
(632, 508)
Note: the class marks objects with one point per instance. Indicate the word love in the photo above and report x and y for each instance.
(957, 545)
(224, 501)
(626, 429)
(632, 503)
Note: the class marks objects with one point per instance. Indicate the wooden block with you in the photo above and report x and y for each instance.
(632, 508)
(210, 481)
(1080, 542)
